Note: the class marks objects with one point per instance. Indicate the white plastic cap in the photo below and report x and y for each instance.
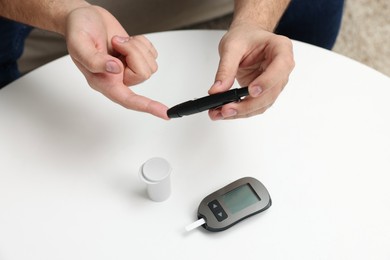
(156, 172)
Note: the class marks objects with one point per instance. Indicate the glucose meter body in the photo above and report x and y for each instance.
(233, 203)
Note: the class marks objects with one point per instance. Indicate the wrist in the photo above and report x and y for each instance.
(44, 14)
(261, 14)
(60, 13)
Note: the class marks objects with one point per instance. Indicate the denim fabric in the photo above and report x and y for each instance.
(313, 21)
(12, 35)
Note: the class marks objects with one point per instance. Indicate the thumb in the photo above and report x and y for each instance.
(101, 63)
(93, 59)
(226, 73)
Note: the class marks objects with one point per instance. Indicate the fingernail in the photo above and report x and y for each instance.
(112, 67)
(122, 39)
(229, 113)
(214, 87)
(218, 117)
(217, 83)
(256, 91)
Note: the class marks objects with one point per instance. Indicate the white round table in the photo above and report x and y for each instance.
(69, 161)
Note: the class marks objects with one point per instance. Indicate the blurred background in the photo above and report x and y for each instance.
(364, 35)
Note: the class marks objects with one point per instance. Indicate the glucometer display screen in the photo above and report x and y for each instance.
(239, 198)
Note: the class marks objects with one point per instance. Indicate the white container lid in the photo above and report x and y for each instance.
(155, 170)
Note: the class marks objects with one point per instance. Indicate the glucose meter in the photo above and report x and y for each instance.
(231, 204)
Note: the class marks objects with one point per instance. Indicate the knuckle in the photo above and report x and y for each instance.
(222, 70)
(289, 61)
(154, 67)
(92, 65)
(133, 80)
(145, 75)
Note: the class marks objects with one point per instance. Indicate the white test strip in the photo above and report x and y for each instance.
(196, 224)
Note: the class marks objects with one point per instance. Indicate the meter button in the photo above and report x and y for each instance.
(220, 215)
(214, 206)
(217, 210)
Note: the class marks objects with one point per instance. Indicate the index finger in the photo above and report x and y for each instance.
(130, 100)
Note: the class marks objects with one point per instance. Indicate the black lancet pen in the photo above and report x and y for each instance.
(207, 102)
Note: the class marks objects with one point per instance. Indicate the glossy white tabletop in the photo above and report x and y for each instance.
(69, 161)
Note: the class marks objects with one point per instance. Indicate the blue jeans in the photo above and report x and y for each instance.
(12, 36)
(312, 21)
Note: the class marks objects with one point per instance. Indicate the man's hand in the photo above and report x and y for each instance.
(258, 59)
(110, 59)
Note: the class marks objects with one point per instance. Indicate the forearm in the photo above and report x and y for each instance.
(45, 14)
(262, 13)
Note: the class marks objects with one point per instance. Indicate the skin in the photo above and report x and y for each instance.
(254, 56)
(111, 60)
